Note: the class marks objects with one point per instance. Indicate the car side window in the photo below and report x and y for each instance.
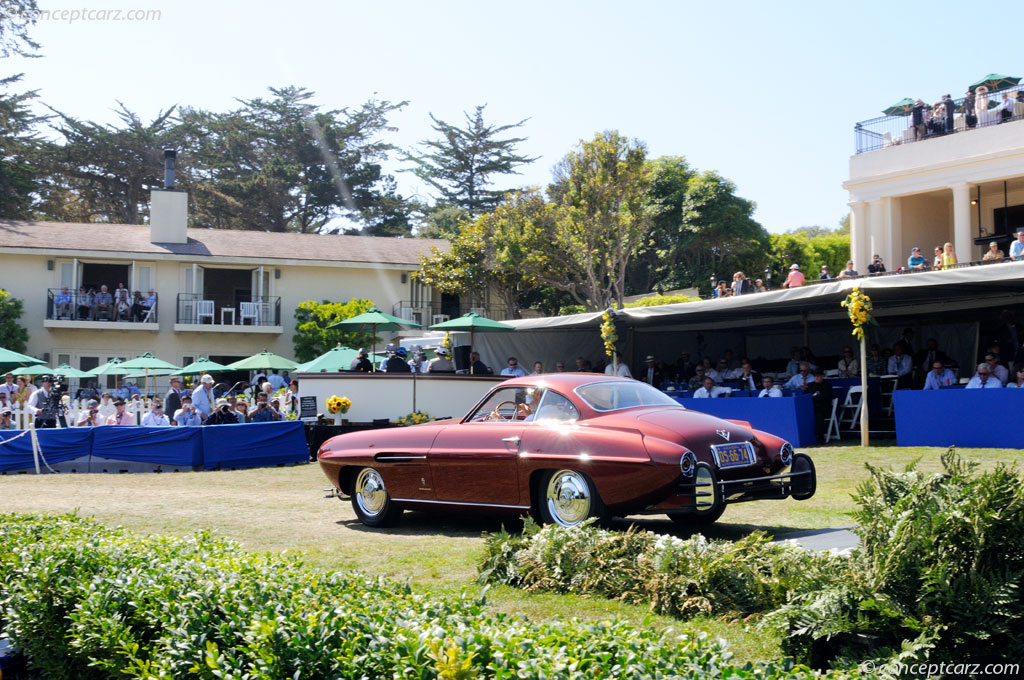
(556, 408)
(508, 404)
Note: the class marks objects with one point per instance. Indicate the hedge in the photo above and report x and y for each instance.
(85, 601)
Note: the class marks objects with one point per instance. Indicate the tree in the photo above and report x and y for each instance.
(602, 217)
(440, 221)
(18, 146)
(459, 270)
(464, 162)
(281, 164)
(13, 335)
(104, 173)
(16, 16)
(313, 338)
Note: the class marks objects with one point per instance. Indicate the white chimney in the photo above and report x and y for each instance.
(168, 209)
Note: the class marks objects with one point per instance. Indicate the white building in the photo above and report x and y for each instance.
(966, 188)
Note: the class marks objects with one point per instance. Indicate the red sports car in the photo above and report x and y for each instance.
(567, 447)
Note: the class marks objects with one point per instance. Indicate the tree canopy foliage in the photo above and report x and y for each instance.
(13, 335)
(18, 151)
(313, 338)
(464, 162)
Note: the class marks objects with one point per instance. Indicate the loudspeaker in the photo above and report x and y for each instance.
(461, 357)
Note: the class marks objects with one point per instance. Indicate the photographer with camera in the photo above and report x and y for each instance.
(156, 416)
(121, 416)
(222, 414)
(91, 417)
(263, 412)
(187, 415)
(46, 405)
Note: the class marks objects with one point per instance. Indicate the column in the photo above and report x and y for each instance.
(962, 241)
(877, 210)
(858, 232)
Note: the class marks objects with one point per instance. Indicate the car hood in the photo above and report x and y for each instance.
(413, 437)
(696, 431)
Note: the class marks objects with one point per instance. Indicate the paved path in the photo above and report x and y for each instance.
(838, 538)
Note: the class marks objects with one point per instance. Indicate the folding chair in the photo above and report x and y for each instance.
(833, 424)
(204, 309)
(851, 406)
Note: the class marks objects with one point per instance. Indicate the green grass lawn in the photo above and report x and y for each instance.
(284, 509)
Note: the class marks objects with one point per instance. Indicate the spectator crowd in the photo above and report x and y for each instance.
(104, 305)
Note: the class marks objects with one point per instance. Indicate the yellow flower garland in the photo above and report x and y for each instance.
(608, 334)
(858, 306)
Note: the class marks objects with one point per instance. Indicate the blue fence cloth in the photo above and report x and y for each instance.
(791, 418)
(958, 417)
(172, 446)
(254, 445)
(57, 445)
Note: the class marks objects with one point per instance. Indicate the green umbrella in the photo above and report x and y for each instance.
(71, 372)
(264, 361)
(202, 365)
(900, 108)
(11, 359)
(335, 359)
(376, 319)
(474, 323)
(34, 369)
(148, 363)
(994, 81)
(112, 367)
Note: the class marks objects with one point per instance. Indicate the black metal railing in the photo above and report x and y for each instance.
(68, 305)
(228, 310)
(886, 131)
(428, 313)
(905, 269)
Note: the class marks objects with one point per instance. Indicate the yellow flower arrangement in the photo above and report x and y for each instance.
(608, 334)
(858, 306)
(447, 343)
(336, 404)
(414, 418)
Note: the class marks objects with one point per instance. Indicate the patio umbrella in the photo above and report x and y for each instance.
(71, 372)
(34, 369)
(375, 319)
(994, 81)
(474, 323)
(11, 359)
(202, 365)
(900, 108)
(335, 359)
(263, 361)
(147, 363)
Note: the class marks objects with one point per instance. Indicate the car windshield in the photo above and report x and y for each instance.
(613, 396)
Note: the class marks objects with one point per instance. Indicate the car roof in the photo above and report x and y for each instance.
(563, 381)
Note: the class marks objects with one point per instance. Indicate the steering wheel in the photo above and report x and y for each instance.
(496, 414)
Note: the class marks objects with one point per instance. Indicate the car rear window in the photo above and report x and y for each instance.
(613, 396)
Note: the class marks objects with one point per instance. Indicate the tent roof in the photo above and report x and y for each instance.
(967, 287)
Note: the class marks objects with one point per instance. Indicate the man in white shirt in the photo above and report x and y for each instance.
(900, 365)
(106, 407)
(770, 388)
(276, 381)
(939, 376)
(513, 369)
(801, 379)
(1017, 247)
(983, 379)
(997, 369)
(156, 417)
(622, 371)
(711, 391)
(8, 387)
(37, 401)
(718, 371)
(90, 416)
(202, 396)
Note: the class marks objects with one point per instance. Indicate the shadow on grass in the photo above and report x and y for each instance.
(451, 524)
(722, 530)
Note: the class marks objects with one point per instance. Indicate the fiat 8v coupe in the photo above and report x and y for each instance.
(566, 448)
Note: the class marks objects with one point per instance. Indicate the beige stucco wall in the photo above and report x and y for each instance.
(927, 222)
(26, 276)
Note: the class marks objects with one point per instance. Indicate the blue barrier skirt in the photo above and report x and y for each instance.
(254, 445)
(57, 445)
(977, 418)
(791, 418)
(171, 446)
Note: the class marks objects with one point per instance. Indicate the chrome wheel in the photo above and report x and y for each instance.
(569, 500)
(370, 494)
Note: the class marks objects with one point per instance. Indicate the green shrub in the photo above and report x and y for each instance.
(939, 576)
(84, 601)
(681, 578)
(655, 300)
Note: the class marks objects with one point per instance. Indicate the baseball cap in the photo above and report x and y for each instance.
(207, 379)
(915, 249)
(441, 351)
(794, 266)
(93, 403)
(221, 402)
(401, 351)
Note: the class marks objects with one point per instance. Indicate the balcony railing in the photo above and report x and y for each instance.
(72, 306)
(885, 131)
(228, 310)
(427, 313)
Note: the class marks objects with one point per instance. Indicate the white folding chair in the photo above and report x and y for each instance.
(204, 310)
(250, 311)
(851, 407)
(833, 424)
(888, 386)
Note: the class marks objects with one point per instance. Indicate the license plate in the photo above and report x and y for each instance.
(735, 454)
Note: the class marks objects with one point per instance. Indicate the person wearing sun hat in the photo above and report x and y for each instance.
(441, 363)
(795, 278)
(202, 396)
(361, 364)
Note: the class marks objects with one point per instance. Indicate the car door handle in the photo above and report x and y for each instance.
(511, 440)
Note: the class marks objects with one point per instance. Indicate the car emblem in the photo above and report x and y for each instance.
(724, 434)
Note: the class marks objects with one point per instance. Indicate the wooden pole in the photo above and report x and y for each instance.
(863, 390)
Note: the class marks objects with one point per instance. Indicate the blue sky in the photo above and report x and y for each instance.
(764, 93)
